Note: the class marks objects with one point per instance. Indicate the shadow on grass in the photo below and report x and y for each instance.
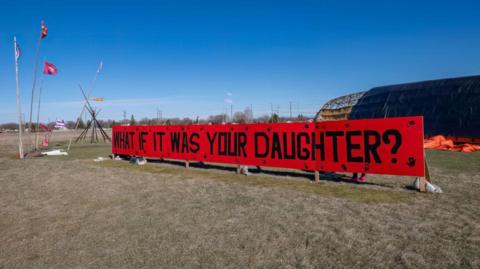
(92, 151)
(350, 191)
(302, 174)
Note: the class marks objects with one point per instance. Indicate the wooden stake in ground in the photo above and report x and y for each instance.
(16, 49)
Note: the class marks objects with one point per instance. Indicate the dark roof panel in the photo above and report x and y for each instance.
(449, 106)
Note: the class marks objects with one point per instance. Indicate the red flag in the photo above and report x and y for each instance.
(49, 69)
(44, 127)
(44, 30)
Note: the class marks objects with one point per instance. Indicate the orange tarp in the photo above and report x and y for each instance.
(441, 143)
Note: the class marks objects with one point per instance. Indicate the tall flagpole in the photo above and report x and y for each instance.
(19, 111)
(34, 80)
(38, 114)
(100, 66)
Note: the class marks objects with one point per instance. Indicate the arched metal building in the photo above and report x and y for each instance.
(450, 107)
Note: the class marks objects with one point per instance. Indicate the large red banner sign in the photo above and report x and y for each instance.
(377, 146)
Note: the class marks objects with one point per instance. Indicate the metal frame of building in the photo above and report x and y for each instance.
(338, 108)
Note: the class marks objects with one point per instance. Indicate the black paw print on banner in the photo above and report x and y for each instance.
(411, 161)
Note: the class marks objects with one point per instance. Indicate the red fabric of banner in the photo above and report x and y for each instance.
(380, 146)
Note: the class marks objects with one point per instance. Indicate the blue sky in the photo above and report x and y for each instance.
(191, 58)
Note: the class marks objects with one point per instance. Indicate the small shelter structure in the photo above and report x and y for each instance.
(93, 125)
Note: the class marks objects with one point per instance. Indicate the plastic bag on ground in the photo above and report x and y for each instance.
(138, 160)
(430, 187)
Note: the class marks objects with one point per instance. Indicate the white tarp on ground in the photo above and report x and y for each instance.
(55, 152)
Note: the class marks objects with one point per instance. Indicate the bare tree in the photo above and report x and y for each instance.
(132, 120)
(9, 126)
(216, 119)
(70, 124)
(301, 118)
(240, 117)
(274, 118)
(263, 119)
(145, 121)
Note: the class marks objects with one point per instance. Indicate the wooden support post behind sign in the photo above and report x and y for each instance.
(423, 180)
(187, 164)
(317, 176)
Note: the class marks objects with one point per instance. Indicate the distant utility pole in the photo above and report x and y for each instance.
(231, 112)
(290, 110)
(124, 116)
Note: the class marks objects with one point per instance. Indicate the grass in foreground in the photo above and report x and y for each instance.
(77, 213)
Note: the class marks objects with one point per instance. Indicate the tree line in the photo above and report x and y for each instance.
(238, 117)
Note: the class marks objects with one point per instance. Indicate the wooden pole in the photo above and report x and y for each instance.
(104, 134)
(19, 110)
(35, 67)
(38, 114)
(422, 184)
(96, 133)
(93, 127)
(100, 66)
(83, 135)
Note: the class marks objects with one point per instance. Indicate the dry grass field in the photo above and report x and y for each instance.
(71, 212)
